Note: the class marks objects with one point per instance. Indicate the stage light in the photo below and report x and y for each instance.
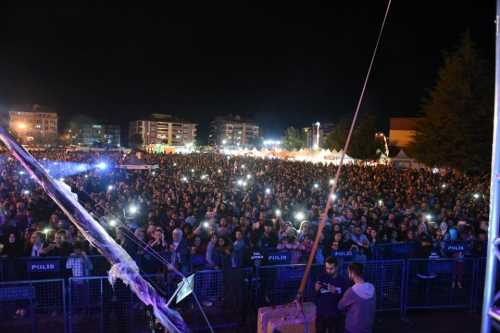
(443, 185)
(240, 182)
(300, 216)
(175, 164)
(428, 217)
(244, 183)
(184, 179)
(204, 177)
(192, 170)
(46, 230)
(277, 212)
(219, 171)
(435, 170)
(153, 173)
(102, 165)
(61, 179)
(86, 176)
(243, 166)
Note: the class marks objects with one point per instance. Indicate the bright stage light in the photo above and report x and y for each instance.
(102, 165)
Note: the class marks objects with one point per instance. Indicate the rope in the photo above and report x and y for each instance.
(330, 199)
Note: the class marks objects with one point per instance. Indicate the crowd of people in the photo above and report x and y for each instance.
(211, 211)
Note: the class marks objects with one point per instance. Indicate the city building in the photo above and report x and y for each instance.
(402, 131)
(233, 131)
(33, 124)
(92, 135)
(162, 129)
(316, 134)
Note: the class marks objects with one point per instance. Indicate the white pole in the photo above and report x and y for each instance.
(491, 260)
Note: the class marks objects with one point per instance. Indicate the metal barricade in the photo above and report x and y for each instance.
(226, 296)
(440, 283)
(33, 306)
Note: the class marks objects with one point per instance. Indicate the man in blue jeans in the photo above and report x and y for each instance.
(329, 290)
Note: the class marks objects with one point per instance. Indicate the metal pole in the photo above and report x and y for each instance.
(491, 260)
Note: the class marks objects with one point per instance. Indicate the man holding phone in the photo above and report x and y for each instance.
(329, 287)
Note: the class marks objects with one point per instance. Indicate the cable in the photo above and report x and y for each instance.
(330, 199)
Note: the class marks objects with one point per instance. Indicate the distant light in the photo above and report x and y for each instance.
(112, 223)
(46, 230)
(175, 164)
(300, 216)
(277, 212)
(61, 179)
(110, 187)
(153, 173)
(317, 123)
(249, 176)
(428, 217)
(133, 209)
(204, 177)
(443, 186)
(243, 166)
(316, 185)
(224, 142)
(21, 126)
(244, 183)
(333, 197)
(331, 181)
(102, 165)
(239, 182)
(86, 176)
(26, 192)
(22, 172)
(206, 225)
(435, 170)
(192, 170)
(268, 191)
(380, 202)
(476, 195)
(219, 171)
(184, 179)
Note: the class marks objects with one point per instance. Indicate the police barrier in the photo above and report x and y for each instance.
(441, 283)
(33, 306)
(231, 297)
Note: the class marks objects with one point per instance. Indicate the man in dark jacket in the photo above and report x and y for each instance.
(329, 289)
(359, 302)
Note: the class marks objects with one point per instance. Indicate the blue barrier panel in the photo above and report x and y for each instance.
(394, 251)
(440, 283)
(36, 306)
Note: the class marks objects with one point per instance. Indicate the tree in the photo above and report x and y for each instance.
(456, 125)
(363, 144)
(294, 139)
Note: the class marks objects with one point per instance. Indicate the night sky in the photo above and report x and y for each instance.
(281, 64)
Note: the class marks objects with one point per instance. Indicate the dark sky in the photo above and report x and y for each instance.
(281, 64)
